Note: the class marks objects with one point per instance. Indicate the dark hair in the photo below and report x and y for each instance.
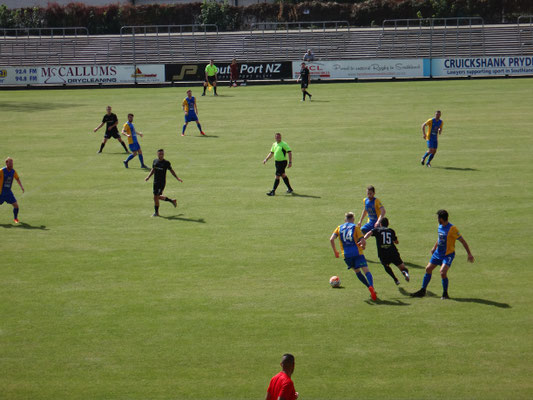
(130, 114)
(371, 188)
(287, 359)
(385, 222)
(160, 150)
(443, 214)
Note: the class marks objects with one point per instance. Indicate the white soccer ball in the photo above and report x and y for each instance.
(335, 281)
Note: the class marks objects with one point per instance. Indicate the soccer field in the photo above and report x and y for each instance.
(98, 300)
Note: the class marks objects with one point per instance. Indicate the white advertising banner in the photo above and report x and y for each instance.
(375, 68)
(82, 74)
(482, 66)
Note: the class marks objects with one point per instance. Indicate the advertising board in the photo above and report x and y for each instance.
(482, 66)
(248, 71)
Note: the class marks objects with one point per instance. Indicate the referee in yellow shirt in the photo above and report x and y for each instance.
(281, 151)
(210, 76)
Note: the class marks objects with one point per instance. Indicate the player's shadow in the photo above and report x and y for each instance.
(35, 106)
(24, 225)
(319, 101)
(338, 287)
(380, 302)
(305, 195)
(407, 294)
(480, 301)
(180, 218)
(207, 136)
(457, 168)
(416, 266)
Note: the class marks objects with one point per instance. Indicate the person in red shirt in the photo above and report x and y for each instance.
(281, 386)
(234, 73)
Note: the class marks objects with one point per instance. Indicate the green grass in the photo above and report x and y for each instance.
(100, 301)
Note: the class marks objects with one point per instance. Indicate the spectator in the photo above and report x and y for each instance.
(309, 56)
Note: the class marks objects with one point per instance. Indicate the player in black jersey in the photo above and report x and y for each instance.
(304, 79)
(111, 131)
(159, 170)
(387, 251)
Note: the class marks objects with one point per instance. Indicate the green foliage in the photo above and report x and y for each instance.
(218, 13)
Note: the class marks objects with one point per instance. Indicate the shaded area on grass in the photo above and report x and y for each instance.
(411, 265)
(24, 225)
(35, 106)
(457, 168)
(480, 301)
(380, 302)
(305, 195)
(180, 218)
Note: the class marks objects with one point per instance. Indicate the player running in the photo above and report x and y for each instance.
(374, 209)
(111, 121)
(352, 244)
(443, 253)
(129, 131)
(435, 126)
(191, 112)
(280, 150)
(386, 242)
(304, 78)
(159, 170)
(6, 180)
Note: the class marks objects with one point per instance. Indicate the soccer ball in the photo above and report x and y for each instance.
(335, 281)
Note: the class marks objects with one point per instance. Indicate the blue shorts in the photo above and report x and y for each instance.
(191, 117)
(446, 260)
(356, 262)
(134, 147)
(8, 197)
(433, 142)
(368, 226)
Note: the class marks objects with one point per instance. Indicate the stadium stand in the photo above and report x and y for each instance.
(272, 45)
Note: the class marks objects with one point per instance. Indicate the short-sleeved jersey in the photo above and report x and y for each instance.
(188, 105)
(281, 385)
(110, 120)
(349, 234)
(234, 70)
(304, 74)
(6, 178)
(280, 151)
(433, 127)
(385, 238)
(130, 130)
(160, 171)
(211, 70)
(448, 234)
(373, 208)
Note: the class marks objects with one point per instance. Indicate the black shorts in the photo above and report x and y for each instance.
(158, 189)
(211, 79)
(111, 134)
(280, 167)
(390, 257)
(304, 85)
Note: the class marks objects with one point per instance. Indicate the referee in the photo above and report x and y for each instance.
(280, 150)
(111, 121)
(159, 170)
(211, 76)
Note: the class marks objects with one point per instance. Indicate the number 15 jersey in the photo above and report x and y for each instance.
(385, 238)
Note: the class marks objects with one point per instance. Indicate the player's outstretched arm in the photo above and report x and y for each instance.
(435, 247)
(332, 241)
(424, 130)
(149, 175)
(467, 248)
(124, 133)
(368, 234)
(290, 159)
(175, 176)
(98, 127)
(195, 107)
(20, 184)
(268, 157)
(382, 213)
(363, 215)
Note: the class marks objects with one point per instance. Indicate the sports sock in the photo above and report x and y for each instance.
(425, 282)
(276, 183)
(215, 89)
(286, 180)
(369, 278)
(445, 284)
(15, 213)
(141, 159)
(307, 93)
(199, 127)
(303, 95)
(205, 87)
(183, 129)
(124, 145)
(430, 157)
(156, 208)
(131, 156)
(102, 146)
(425, 155)
(362, 278)
(168, 199)
(388, 270)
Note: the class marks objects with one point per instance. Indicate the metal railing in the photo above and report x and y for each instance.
(141, 38)
(397, 29)
(286, 29)
(525, 31)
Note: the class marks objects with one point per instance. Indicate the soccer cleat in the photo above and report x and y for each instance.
(271, 193)
(144, 167)
(290, 191)
(203, 94)
(373, 294)
(445, 296)
(310, 97)
(422, 161)
(216, 94)
(420, 293)
(202, 133)
(155, 215)
(428, 165)
(397, 283)
(406, 275)
(125, 164)
(175, 203)
(16, 220)
(99, 151)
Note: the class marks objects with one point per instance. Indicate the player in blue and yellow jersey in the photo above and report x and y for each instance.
(435, 126)
(7, 174)
(129, 130)
(191, 112)
(443, 254)
(352, 245)
(373, 208)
